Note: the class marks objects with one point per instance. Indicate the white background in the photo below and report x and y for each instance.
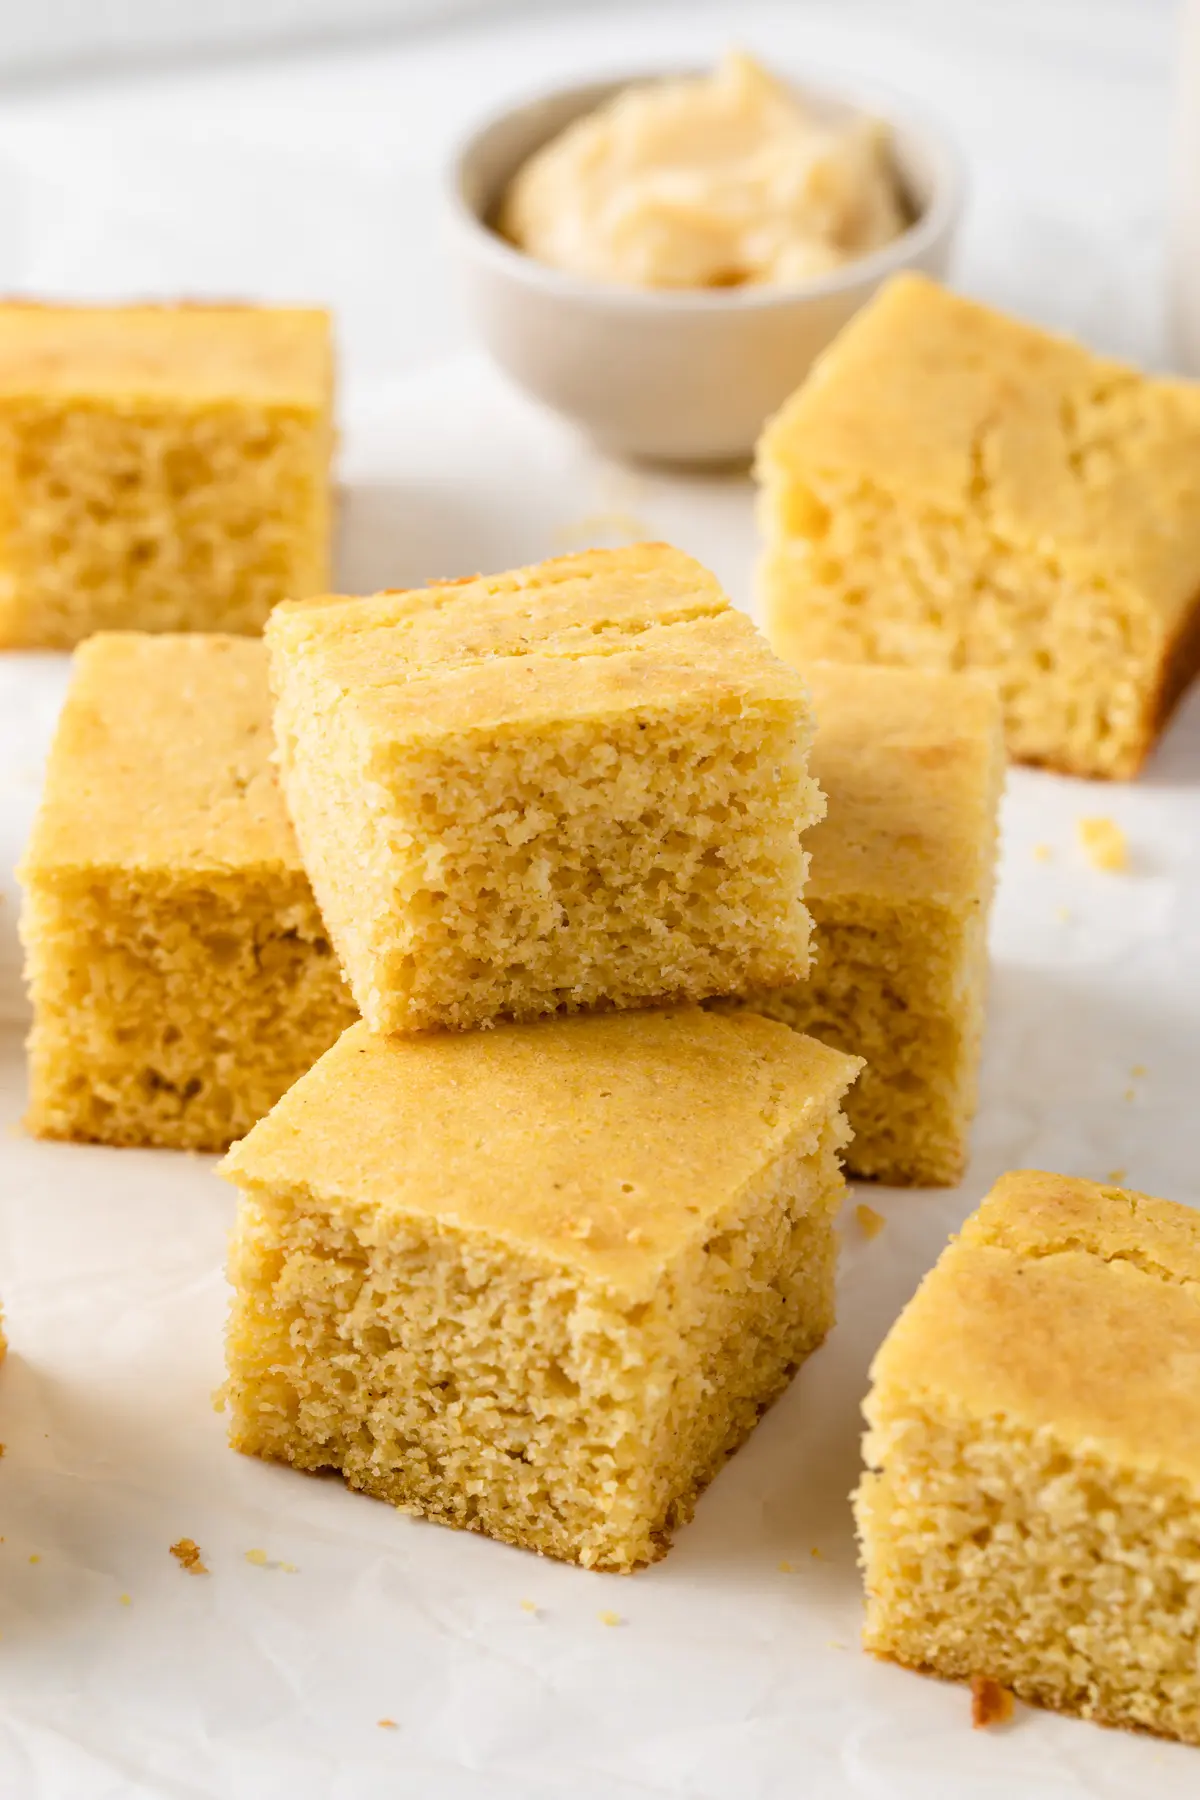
(317, 177)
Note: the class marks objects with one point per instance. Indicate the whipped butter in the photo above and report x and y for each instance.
(721, 180)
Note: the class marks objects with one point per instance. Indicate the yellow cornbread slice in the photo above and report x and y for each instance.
(180, 974)
(573, 785)
(953, 488)
(1032, 1513)
(162, 468)
(537, 1281)
(903, 867)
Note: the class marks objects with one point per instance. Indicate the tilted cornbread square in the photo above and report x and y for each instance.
(1032, 1513)
(180, 974)
(538, 1281)
(162, 468)
(952, 488)
(574, 785)
(903, 867)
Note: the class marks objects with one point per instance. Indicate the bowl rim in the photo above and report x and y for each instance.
(948, 197)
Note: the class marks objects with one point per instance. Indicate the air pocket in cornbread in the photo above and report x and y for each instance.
(538, 1281)
(952, 488)
(1032, 1510)
(581, 784)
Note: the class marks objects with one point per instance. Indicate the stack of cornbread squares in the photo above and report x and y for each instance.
(543, 937)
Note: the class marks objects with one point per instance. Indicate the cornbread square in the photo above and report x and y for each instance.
(952, 488)
(1032, 1514)
(538, 1281)
(903, 866)
(180, 974)
(163, 468)
(573, 785)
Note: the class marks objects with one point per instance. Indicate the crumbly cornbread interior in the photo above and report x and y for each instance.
(161, 468)
(903, 866)
(953, 488)
(1032, 1509)
(537, 1281)
(180, 974)
(573, 785)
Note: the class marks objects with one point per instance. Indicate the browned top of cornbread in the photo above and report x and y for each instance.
(162, 761)
(1068, 1306)
(950, 405)
(184, 354)
(910, 763)
(605, 1142)
(605, 630)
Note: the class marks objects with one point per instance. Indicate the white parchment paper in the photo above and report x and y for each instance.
(734, 1672)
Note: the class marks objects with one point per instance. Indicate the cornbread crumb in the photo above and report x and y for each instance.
(609, 1618)
(257, 1557)
(1042, 853)
(1104, 844)
(1063, 914)
(787, 1568)
(815, 1552)
(36, 1557)
(388, 1725)
(529, 1606)
(1116, 1176)
(125, 1599)
(870, 1222)
(180, 974)
(166, 468)
(991, 1704)
(1130, 1093)
(486, 1366)
(1032, 1500)
(573, 785)
(288, 1568)
(900, 885)
(186, 1552)
(1138, 1071)
(610, 522)
(951, 488)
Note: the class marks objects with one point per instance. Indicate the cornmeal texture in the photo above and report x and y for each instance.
(1032, 1514)
(575, 785)
(180, 974)
(952, 488)
(538, 1281)
(903, 867)
(162, 468)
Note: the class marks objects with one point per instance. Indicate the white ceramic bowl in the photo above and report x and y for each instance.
(680, 375)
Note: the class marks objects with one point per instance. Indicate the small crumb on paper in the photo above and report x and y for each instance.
(611, 522)
(609, 1618)
(1117, 1177)
(1138, 1071)
(1042, 853)
(35, 1558)
(288, 1568)
(815, 1552)
(186, 1552)
(529, 1606)
(787, 1568)
(125, 1599)
(1063, 914)
(1104, 844)
(388, 1725)
(991, 1704)
(870, 1222)
(1130, 1094)
(257, 1557)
